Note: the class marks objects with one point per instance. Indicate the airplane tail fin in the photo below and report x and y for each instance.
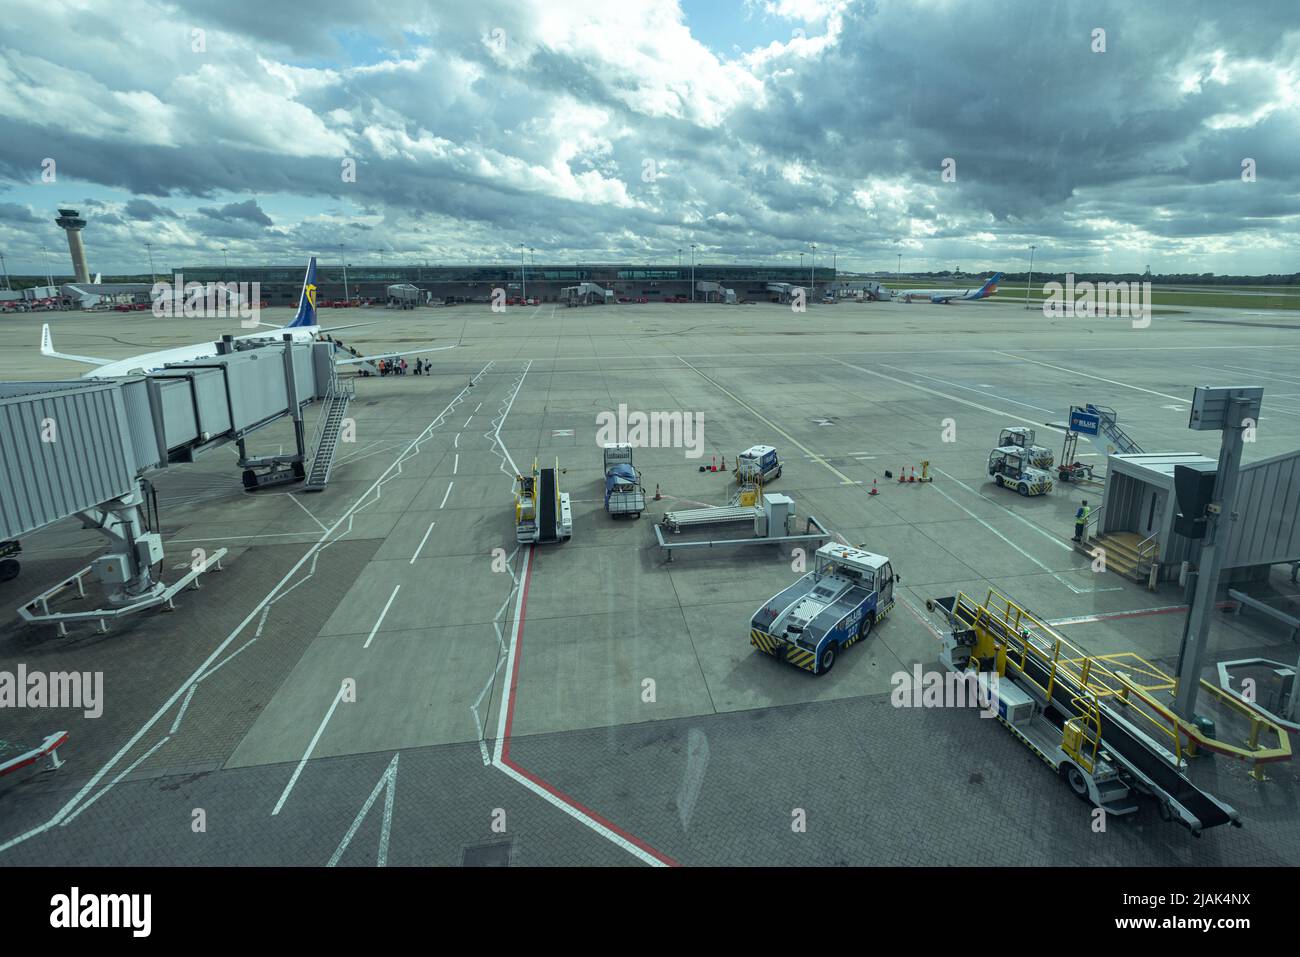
(991, 284)
(307, 302)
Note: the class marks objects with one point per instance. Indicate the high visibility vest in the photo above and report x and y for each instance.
(1081, 516)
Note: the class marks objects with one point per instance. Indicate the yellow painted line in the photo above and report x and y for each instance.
(772, 425)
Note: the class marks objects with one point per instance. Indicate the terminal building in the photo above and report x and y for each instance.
(281, 285)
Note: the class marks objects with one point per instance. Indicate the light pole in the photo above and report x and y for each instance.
(49, 278)
(225, 258)
(812, 271)
(523, 271)
(1030, 285)
(343, 258)
(692, 272)
(899, 271)
(679, 259)
(381, 260)
(5, 271)
(153, 278)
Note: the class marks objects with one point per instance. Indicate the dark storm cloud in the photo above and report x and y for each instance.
(13, 213)
(457, 145)
(245, 212)
(142, 209)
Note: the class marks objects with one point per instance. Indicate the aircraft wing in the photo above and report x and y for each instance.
(47, 349)
(389, 355)
(351, 325)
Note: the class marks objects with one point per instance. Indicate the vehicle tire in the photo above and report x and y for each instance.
(864, 626)
(1074, 779)
(9, 569)
(997, 480)
(636, 515)
(827, 660)
(1023, 489)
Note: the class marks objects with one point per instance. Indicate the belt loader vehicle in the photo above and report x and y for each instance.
(624, 494)
(1021, 437)
(833, 606)
(757, 465)
(1105, 724)
(542, 511)
(1009, 469)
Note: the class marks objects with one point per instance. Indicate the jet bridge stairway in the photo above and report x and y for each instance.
(341, 392)
(1111, 702)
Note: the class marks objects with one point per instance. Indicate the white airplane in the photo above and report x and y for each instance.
(989, 288)
(304, 328)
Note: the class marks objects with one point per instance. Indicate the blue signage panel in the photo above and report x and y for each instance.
(1085, 423)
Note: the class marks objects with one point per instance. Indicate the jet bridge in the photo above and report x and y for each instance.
(84, 449)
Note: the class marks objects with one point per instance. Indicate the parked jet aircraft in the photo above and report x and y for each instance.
(304, 328)
(989, 288)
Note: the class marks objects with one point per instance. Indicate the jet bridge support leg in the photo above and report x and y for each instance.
(268, 470)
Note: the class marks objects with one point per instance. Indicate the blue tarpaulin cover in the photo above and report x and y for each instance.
(618, 475)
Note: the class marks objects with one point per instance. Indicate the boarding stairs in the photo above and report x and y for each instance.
(1109, 425)
(340, 393)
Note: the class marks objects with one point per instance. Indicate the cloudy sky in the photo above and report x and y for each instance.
(627, 130)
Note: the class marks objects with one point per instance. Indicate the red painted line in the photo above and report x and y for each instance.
(541, 782)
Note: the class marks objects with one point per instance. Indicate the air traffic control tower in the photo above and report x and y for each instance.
(71, 222)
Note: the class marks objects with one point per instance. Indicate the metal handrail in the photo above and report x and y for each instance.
(1144, 552)
(1094, 515)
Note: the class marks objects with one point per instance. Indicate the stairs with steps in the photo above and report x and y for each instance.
(1123, 443)
(1122, 555)
(336, 406)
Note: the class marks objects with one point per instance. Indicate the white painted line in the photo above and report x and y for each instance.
(308, 511)
(957, 385)
(1020, 518)
(455, 466)
(388, 783)
(1068, 584)
(479, 406)
(113, 783)
(445, 494)
(420, 547)
(180, 715)
(1088, 375)
(388, 604)
(315, 739)
(467, 422)
(455, 443)
(943, 395)
(216, 652)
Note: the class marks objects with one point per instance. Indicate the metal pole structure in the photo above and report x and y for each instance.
(5, 271)
(523, 271)
(1030, 285)
(152, 275)
(1240, 410)
(343, 257)
(812, 272)
(692, 272)
(225, 259)
(899, 271)
(49, 277)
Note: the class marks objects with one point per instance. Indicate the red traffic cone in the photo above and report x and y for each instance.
(912, 478)
(714, 466)
(658, 497)
(874, 490)
(724, 463)
(902, 475)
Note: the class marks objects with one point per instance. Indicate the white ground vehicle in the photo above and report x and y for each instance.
(1021, 437)
(757, 464)
(1010, 469)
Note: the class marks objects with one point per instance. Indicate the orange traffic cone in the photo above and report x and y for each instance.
(724, 463)
(912, 478)
(902, 475)
(658, 497)
(874, 490)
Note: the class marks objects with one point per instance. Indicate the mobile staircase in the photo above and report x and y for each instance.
(340, 393)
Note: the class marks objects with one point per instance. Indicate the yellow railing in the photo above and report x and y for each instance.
(1010, 634)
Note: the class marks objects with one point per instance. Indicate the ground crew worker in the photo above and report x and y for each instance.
(1081, 521)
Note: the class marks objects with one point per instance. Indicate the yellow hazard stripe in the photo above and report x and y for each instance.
(762, 641)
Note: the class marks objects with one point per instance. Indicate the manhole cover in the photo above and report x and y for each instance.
(487, 855)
